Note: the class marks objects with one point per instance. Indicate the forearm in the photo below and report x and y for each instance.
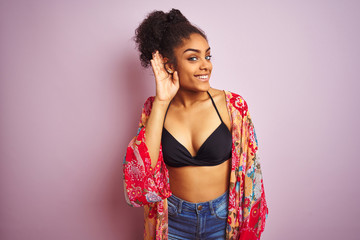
(154, 128)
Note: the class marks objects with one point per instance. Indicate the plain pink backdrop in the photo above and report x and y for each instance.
(72, 88)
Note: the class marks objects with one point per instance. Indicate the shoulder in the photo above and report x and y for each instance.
(237, 101)
(228, 95)
(219, 96)
(233, 100)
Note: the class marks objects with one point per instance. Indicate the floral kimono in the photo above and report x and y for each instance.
(149, 187)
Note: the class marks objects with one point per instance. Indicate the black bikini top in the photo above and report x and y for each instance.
(215, 150)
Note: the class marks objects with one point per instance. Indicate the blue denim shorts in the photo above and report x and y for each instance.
(206, 220)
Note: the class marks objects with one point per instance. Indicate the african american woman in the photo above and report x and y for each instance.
(193, 164)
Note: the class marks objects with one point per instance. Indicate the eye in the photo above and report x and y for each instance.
(192, 58)
(208, 57)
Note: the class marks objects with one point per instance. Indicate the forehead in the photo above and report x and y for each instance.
(195, 41)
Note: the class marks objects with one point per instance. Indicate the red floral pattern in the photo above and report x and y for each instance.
(148, 187)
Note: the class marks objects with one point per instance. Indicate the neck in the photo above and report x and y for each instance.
(188, 98)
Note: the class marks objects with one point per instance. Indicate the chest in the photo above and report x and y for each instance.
(194, 127)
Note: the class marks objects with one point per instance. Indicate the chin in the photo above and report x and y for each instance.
(207, 87)
(204, 87)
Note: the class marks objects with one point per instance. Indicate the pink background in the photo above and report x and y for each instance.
(72, 88)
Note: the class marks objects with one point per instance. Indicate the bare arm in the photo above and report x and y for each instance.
(167, 86)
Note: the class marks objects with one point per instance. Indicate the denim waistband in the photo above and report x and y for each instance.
(211, 205)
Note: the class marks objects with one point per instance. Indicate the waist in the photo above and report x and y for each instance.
(210, 205)
(200, 184)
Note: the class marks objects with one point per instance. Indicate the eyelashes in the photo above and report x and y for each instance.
(208, 57)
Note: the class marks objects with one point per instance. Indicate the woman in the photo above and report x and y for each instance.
(193, 164)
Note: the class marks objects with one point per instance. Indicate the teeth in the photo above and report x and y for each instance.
(203, 76)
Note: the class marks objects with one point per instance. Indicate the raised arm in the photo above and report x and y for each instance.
(146, 177)
(166, 87)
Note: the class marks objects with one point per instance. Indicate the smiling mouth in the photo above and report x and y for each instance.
(202, 77)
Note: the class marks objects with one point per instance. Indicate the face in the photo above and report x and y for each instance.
(194, 63)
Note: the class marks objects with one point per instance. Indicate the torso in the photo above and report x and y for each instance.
(191, 127)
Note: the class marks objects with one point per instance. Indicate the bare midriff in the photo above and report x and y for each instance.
(200, 183)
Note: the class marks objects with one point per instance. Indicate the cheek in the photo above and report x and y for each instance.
(185, 79)
(185, 71)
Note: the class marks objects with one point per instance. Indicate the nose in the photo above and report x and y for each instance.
(205, 64)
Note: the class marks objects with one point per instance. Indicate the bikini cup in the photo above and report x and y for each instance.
(215, 150)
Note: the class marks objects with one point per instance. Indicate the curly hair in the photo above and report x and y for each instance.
(163, 32)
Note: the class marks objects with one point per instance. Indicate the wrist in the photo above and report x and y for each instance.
(164, 103)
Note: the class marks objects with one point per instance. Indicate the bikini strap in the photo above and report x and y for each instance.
(212, 100)
(166, 113)
(215, 106)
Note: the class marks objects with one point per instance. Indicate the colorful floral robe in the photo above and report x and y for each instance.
(149, 187)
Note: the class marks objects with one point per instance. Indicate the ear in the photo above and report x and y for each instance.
(169, 67)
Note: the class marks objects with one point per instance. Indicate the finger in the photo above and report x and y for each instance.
(161, 58)
(160, 61)
(157, 61)
(152, 62)
(156, 56)
(155, 64)
(158, 68)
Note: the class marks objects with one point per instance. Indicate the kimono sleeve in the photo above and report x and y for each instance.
(254, 203)
(142, 183)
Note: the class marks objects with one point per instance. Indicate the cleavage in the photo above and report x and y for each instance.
(202, 144)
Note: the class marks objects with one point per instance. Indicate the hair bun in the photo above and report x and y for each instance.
(162, 32)
(175, 16)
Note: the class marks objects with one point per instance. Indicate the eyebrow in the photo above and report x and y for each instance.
(195, 50)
